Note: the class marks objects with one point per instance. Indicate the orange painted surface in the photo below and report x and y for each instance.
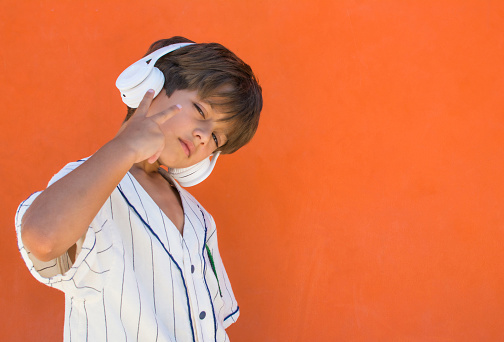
(373, 191)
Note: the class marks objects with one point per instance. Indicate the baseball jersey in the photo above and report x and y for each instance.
(135, 277)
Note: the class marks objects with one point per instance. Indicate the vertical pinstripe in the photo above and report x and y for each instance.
(87, 324)
(105, 315)
(114, 287)
(69, 319)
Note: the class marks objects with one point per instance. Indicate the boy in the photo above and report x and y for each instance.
(136, 254)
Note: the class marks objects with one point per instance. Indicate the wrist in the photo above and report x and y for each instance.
(121, 151)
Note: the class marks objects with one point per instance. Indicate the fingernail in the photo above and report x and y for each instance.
(150, 91)
(179, 106)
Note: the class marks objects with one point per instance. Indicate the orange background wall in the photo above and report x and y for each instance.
(370, 204)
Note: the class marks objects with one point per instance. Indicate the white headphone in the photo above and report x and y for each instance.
(134, 82)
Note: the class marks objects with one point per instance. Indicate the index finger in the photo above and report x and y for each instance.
(144, 105)
(166, 114)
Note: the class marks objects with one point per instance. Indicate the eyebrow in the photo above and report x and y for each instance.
(206, 102)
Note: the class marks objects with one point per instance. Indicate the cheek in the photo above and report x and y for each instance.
(204, 152)
(177, 126)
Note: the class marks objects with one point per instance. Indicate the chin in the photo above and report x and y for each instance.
(179, 164)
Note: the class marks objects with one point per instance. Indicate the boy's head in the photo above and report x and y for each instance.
(221, 79)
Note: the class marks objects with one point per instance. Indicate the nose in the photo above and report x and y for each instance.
(202, 133)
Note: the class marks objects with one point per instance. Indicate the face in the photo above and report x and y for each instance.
(192, 134)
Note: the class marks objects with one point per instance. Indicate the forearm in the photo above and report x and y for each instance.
(61, 214)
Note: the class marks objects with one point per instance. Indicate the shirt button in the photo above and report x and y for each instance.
(202, 315)
(192, 268)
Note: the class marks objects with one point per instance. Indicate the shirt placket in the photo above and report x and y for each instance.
(201, 307)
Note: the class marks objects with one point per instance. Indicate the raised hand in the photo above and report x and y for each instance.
(142, 134)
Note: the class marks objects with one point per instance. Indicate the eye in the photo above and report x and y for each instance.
(214, 137)
(199, 110)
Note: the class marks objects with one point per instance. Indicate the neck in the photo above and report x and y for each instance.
(147, 167)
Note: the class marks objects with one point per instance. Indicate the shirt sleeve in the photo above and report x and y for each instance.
(87, 273)
(226, 306)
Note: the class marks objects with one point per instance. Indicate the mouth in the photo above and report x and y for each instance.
(187, 146)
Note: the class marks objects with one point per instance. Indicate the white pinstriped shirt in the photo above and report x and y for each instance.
(136, 278)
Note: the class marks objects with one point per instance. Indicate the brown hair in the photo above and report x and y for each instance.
(222, 80)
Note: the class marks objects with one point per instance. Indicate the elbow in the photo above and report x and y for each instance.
(37, 241)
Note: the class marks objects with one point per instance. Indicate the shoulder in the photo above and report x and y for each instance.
(191, 201)
(188, 197)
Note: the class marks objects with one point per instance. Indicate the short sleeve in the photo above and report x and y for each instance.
(88, 273)
(66, 170)
(226, 306)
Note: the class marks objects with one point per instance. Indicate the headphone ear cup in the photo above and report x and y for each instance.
(133, 96)
(141, 76)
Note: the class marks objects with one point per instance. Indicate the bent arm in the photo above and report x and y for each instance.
(61, 214)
